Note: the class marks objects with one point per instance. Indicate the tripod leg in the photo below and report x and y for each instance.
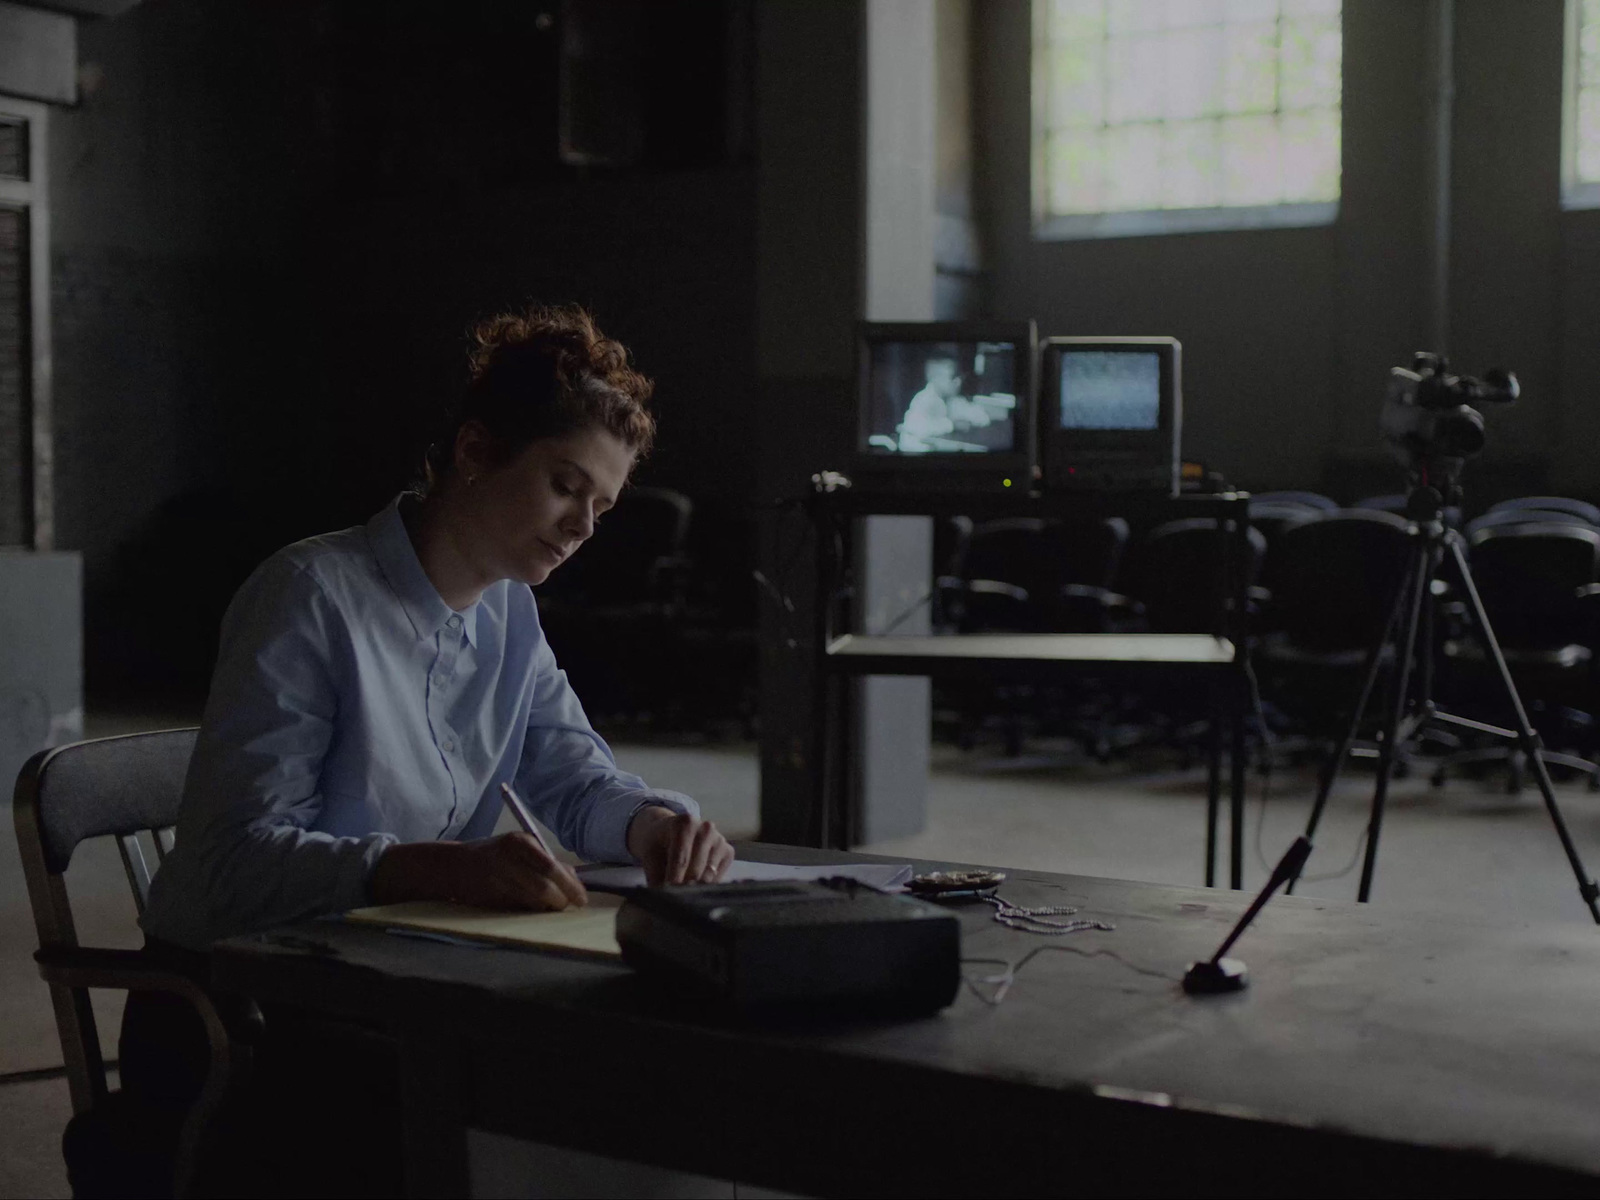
(1213, 780)
(1587, 887)
(1236, 783)
(1374, 664)
(1422, 580)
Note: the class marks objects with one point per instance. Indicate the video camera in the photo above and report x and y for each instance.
(1428, 419)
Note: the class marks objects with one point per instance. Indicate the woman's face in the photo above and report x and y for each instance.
(531, 513)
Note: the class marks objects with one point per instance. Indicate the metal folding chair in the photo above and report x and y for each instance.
(118, 787)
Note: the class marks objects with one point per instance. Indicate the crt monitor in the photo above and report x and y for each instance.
(1111, 413)
(946, 402)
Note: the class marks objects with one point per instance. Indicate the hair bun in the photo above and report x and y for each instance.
(545, 371)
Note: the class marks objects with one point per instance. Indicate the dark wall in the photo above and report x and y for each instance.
(274, 223)
(1288, 334)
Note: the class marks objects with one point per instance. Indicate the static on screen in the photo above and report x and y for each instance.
(1105, 389)
(941, 398)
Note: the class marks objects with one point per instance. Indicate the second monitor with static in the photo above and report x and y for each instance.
(1111, 414)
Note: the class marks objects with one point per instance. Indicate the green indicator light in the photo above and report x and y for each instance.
(1005, 483)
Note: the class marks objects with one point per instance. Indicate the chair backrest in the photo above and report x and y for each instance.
(1272, 518)
(1394, 502)
(1017, 572)
(1014, 550)
(1335, 578)
(950, 538)
(1090, 549)
(1176, 573)
(1562, 504)
(621, 564)
(1529, 576)
(1497, 518)
(118, 787)
(1308, 499)
(1399, 502)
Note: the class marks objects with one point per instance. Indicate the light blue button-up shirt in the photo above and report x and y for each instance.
(352, 709)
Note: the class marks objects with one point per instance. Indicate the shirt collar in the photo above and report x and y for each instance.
(392, 547)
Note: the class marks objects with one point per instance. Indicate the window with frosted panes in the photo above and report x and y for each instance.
(1580, 135)
(1159, 116)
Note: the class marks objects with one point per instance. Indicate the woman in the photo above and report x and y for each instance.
(375, 686)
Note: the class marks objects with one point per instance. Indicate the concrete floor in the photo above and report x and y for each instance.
(1467, 849)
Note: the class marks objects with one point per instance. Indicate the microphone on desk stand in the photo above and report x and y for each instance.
(1220, 974)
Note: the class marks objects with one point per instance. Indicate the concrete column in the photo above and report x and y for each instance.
(894, 555)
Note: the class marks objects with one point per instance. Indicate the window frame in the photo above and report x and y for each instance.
(1575, 193)
(1154, 222)
(31, 197)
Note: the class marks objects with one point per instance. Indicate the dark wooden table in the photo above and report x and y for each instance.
(1374, 1053)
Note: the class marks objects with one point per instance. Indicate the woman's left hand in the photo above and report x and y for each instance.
(677, 848)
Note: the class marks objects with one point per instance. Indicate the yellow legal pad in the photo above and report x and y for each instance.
(588, 930)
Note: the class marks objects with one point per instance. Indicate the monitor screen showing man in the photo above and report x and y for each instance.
(941, 398)
(1110, 390)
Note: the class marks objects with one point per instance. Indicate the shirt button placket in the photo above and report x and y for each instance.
(448, 667)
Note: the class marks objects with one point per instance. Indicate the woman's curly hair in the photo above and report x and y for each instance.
(540, 372)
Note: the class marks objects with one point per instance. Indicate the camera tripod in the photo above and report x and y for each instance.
(1411, 618)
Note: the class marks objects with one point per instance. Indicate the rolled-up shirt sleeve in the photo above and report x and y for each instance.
(252, 794)
(570, 778)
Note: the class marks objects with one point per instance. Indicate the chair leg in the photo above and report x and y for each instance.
(1571, 762)
(1463, 757)
(1516, 765)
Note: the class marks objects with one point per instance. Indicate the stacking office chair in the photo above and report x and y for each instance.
(1093, 710)
(120, 787)
(614, 614)
(1006, 579)
(1336, 578)
(1334, 582)
(1004, 582)
(1395, 502)
(1511, 514)
(951, 536)
(1500, 518)
(1538, 581)
(1174, 575)
(1025, 575)
(1089, 552)
(1273, 518)
(1314, 500)
(1176, 580)
(1582, 509)
(636, 557)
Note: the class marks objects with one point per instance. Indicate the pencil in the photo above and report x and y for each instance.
(519, 810)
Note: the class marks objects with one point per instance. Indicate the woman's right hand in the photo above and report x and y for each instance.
(511, 871)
